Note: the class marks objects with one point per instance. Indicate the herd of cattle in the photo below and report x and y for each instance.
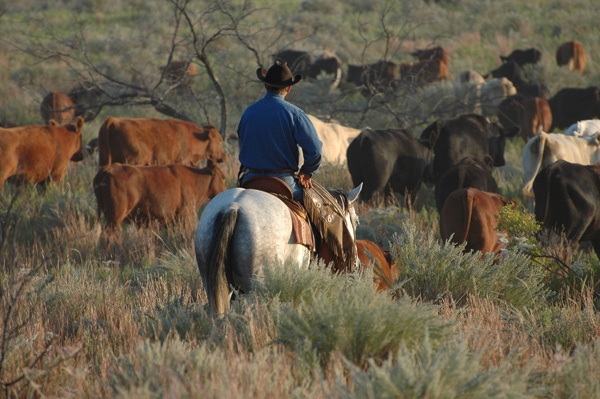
(149, 167)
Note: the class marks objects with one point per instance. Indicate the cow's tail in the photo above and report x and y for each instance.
(217, 289)
(468, 212)
(104, 155)
(540, 139)
(457, 221)
(99, 183)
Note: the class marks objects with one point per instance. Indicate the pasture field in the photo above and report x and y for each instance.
(79, 322)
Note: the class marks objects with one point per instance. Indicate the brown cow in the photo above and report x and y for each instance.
(531, 114)
(140, 141)
(179, 70)
(434, 53)
(384, 268)
(471, 215)
(572, 54)
(58, 106)
(38, 153)
(163, 193)
(424, 71)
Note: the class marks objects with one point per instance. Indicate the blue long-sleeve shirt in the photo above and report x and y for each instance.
(270, 132)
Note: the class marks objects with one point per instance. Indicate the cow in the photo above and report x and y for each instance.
(141, 141)
(380, 262)
(523, 57)
(493, 92)
(142, 194)
(467, 135)
(180, 70)
(298, 61)
(89, 99)
(335, 137)
(381, 75)
(511, 71)
(388, 161)
(39, 153)
(547, 148)
(571, 54)
(567, 200)
(586, 128)
(570, 105)
(433, 53)
(424, 71)
(329, 64)
(471, 215)
(469, 76)
(531, 114)
(303, 63)
(58, 106)
(469, 172)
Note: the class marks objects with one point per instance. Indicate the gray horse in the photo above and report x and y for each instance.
(242, 230)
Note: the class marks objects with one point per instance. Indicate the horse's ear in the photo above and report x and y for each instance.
(353, 194)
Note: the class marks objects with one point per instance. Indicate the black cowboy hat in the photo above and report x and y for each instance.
(279, 75)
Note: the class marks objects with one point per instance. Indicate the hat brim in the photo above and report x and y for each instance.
(261, 73)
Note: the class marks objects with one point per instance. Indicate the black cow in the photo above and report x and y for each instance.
(467, 135)
(382, 74)
(388, 161)
(513, 72)
(469, 172)
(303, 63)
(567, 199)
(298, 61)
(570, 105)
(522, 57)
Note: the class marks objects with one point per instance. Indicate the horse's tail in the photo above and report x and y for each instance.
(217, 289)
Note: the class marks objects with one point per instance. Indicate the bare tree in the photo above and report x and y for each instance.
(197, 32)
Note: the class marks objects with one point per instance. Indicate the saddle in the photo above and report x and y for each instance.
(301, 225)
(320, 207)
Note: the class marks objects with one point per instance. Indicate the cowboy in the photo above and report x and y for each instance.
(271, 130)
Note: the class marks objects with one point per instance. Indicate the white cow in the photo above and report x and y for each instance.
(588, 127)
(335, 138)
(547, 148)
(492, 93)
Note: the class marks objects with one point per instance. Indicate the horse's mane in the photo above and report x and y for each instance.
(340, 197)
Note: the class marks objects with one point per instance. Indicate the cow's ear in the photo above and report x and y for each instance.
(432, 132)
(79, 123)
(52, 123)
(511, 131)
(489, 162)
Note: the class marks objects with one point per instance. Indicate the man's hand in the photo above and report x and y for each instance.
(305, 180)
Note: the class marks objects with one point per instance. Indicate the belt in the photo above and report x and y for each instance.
(268, 171)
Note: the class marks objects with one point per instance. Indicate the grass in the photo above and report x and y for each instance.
(81, 322)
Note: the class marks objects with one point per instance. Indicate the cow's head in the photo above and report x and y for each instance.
(74, 131)
(214, 148)
(497, 140)
(218, 183)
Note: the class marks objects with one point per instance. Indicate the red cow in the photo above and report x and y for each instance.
(424, 71)
(38, 153)
(572, 54)
(179, 70)
(58, 106)
(529, 113)
(163, 193)
(384, 268)
(471, 215)
(140, 141)
(434, 53)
